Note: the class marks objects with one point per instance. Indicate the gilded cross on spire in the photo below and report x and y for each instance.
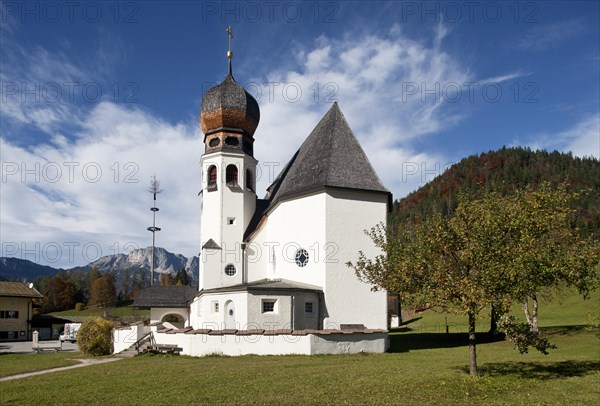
(229, 52)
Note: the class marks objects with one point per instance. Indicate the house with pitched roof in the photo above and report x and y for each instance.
(16, 310)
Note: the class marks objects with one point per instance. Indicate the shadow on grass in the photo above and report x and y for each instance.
(407, 322)
(422, 341)
(539, 370)
(564, 330)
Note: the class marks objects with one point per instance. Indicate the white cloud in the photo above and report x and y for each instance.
(367, 75)
(582, 139)
(546, 36)
(380, 83)
(94, 190)
(505, 77)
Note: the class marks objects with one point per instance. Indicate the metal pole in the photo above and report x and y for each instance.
(154, 189)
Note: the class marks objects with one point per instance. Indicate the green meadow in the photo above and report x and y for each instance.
(425, 365)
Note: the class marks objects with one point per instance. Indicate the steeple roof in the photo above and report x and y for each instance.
(229, 106)
(330, 157)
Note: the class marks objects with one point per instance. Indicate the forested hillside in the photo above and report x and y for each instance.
(504, 171)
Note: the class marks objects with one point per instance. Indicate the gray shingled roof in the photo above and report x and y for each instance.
(165, 296)
(261, 206)
(267, 284)
(211, 245)
(330, 157)
(230, 95)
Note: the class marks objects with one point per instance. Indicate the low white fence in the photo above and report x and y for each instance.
(125, 337)
(234, 342)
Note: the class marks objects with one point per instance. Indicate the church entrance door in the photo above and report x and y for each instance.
(229, 315)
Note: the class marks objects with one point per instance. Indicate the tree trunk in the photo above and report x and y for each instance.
(525, 306)
(534, 315)
(493, 322)
(399, 311)
(472, 348)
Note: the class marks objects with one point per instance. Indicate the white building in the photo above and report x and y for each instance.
(277, 265)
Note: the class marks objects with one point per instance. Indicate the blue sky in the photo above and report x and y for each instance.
(99, 96)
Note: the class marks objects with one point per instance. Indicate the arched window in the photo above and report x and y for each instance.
(231, 175)
(212, 177)
(249, 180)
(234, 142)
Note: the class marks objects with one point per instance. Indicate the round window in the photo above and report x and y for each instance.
(230, 270)
(214, 142)
(301, 257)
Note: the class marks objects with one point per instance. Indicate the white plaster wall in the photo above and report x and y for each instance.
(291, 225)
(125, 337)
(234, 345)
(207, 318)
(210, 220)
(157, 313)
(348, 300)
(248, 311)
(219, 206)
(349, 344)
(279, 319)
(259, 264)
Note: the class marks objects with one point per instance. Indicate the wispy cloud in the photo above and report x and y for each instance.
(581, 139)
(506, 77)
(546, 36)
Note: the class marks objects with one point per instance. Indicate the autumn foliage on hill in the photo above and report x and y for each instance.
(505, 171)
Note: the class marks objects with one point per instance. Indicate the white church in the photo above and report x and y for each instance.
(273, 274)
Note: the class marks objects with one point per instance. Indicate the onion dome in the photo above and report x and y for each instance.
(229, 107)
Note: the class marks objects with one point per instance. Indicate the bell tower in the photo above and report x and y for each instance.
(228, 118)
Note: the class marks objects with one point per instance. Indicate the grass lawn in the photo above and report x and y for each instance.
(566, 308)
(12, 364)
(122, 310)
(426, 367)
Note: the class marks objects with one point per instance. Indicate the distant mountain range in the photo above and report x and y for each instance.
(138, 260)
(23, 270)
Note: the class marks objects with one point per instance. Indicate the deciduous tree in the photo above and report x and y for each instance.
(59, 294)
(493, 251)
(102, 292)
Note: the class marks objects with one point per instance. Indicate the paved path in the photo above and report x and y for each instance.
(24, 347)
(83, 363)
